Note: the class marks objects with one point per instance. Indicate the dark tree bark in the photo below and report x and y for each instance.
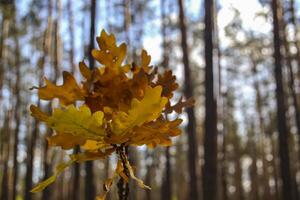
(296, 31)
(126, 26)
(47, 194)
(166, 193)
(281, 106)
(210, 135)
(6, 18)
(17, 112)
(291, 78)
(188, 92)
(261, 136)
(31, 143)
(166, 189)
(74, 191)
(90, 192)
(71, 35)
(6, 132)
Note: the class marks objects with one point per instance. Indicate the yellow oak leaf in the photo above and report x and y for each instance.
(66, 140)
(58, 170)
(145, 110)
(109, 54)
(156, 132)
(85, 71)
(87, 155)
(180, 105)
(145, 60)
(67, 93)
(78, 122)
(168, 83)
(93, 145)
(38, 114)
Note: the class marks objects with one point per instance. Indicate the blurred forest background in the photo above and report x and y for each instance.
(239, 59)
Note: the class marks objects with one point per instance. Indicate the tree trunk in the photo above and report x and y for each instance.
(74, 191)
(17, 113)
(261, 137)
(253, 168)
(296, 31)
(210, 135)
(71, 35)
(188, 92)
(291, 81)
(281, 106)
(167, 183)
(90, 192)
(166, 190)
(6, 132)
(4, 34)
(32, 140)
(127, 23)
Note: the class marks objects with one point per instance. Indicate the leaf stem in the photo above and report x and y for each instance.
(123, 186)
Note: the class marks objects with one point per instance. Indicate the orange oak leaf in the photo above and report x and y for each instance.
(67, 93)
(66, 140)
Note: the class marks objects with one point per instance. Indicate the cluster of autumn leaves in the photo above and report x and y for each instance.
(119, 105)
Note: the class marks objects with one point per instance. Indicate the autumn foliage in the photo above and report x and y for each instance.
(115, 106)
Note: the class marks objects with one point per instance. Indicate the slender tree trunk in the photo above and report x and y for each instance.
(47, 194)
(220, 103)
(210, 135)
(32, 140)
(127, 24)
(165, 44)
(238, 168)
(90, 192)
(166, 190)
(224, 169)
(291, 82)
(291, 85)
(17, 115)
(74, 191)
(188, 92)
(4, 34)
(281, 106)
(148, 179)
(167, 183)
(6, 132)
(253, 167)
(296, 31)
(259, 103)
(17, 119)
(71, 35)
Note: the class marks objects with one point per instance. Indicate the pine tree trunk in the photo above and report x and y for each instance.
(90, 192)
(17, 115)
(4, 34)
(274, 152)
(47, 194)
(6, 132)
(32, 140)
(210, 135)
(167, 183)
(71, 35)
(281, 106)
(188, 92)
(291, 81)
(296, 31)
(253, 168)
(261, 137)
(238, 168)
(74, 191)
